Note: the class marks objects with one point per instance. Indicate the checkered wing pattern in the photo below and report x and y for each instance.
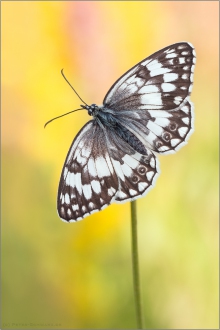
(101, 168)
(161, 131)
(152, 98)
(146, 111)
(162, 81)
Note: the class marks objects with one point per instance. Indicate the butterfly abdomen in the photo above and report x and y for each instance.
(131, 139)
(107, 119)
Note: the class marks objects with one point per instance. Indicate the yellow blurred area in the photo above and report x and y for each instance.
(57, 275)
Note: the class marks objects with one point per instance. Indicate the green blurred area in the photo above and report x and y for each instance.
(57, 275)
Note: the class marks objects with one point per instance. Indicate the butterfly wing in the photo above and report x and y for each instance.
(101, 168)
(160, 130)
(157, 91)
(160, 82)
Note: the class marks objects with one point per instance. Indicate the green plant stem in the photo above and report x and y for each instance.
(135, 267)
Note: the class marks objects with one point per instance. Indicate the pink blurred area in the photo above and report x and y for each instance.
(79, 275)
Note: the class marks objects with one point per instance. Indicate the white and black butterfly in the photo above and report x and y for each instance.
(146, 111)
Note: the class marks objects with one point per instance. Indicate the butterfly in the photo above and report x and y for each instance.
(113, 157)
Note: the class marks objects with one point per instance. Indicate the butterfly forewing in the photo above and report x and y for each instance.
(81, 190)
(161, 81)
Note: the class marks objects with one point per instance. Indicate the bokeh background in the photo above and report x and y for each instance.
(57, 275)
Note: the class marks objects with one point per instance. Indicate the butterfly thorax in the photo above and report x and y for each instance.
(101, 114)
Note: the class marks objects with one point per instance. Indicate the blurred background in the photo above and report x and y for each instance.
(57, 275)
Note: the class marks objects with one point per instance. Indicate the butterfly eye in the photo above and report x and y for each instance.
(173, 127)
(134, 178)
(166, 136)
(141, 170)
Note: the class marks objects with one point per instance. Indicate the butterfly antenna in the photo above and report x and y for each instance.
(72, 87)
(61, 116)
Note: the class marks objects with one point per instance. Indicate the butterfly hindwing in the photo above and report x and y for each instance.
(136, 172)
(159, 130)
(170, 130)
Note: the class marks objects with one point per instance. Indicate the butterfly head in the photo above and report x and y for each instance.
(92, 109)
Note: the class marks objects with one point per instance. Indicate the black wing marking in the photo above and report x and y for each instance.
(100, 169)
(162, 81)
